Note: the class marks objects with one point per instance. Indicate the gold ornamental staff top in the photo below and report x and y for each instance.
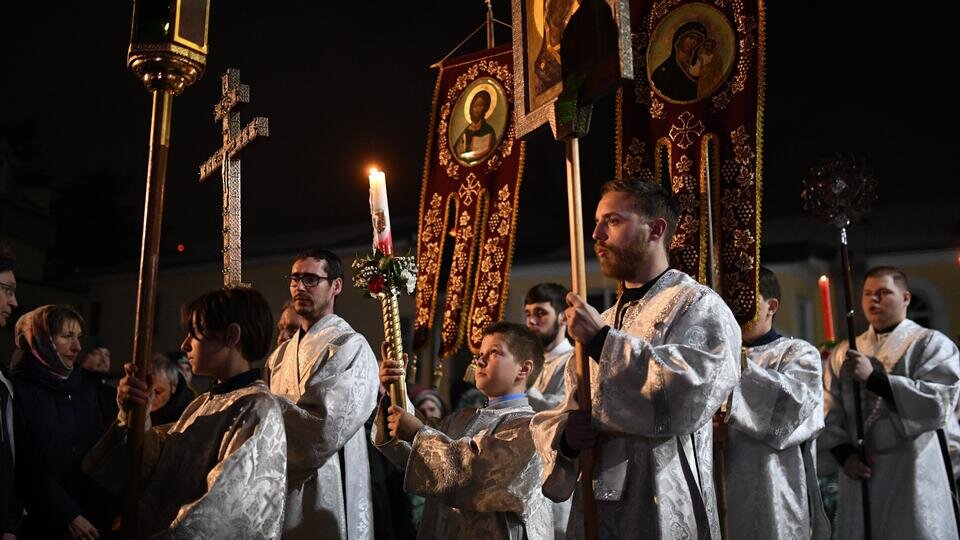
(384, 277)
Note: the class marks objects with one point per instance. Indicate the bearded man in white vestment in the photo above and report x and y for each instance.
(662, 361)
(909, 377)
(774, 417)
(328, 375)
(543, 310)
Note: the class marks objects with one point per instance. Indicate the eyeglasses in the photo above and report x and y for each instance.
(10, 290)
(309, 280)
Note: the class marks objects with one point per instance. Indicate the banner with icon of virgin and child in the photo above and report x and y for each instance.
(469, 198)
(692, 119)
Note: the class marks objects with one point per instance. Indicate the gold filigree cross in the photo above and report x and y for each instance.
(234, 95)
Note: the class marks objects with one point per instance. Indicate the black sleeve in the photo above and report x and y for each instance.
(843, 451)
(566, 449)
(879, 384)
(595, 347)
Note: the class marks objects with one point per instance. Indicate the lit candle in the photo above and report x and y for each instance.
(380, 213)
(827, 309)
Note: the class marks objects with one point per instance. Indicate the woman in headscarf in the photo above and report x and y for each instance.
(58, 420)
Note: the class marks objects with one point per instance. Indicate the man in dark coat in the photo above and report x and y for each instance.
(10, 510)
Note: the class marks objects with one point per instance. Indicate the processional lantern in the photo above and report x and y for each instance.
(840, 190)
(168, 51)
(168, 43)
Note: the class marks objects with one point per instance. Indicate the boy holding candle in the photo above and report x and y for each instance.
(774, 415)
(479, 472)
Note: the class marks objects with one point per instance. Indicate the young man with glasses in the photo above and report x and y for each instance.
(9, 504)
(328, 373)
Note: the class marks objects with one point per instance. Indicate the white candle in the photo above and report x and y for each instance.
(380, 213)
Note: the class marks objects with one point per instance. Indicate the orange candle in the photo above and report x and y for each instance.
(824, 282)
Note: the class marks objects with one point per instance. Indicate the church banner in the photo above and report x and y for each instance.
(470, 194)
(693, 120)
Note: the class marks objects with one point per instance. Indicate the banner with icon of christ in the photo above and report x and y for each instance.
(469, 197)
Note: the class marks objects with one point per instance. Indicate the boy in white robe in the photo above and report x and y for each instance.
(479, 472)
(220, 470)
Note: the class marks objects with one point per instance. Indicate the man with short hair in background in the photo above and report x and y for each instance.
(775, 414)
(909, 380)
(543, 310)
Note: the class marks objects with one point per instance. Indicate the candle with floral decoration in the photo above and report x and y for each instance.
(824, 282)
(380, 213)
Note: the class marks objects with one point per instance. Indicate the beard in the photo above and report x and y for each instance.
(621, 263)
(550, 334)
(308, 307)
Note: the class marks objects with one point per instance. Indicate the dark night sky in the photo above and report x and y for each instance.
(347, 84)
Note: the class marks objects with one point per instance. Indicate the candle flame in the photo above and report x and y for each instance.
(824, 279)
(374, 170)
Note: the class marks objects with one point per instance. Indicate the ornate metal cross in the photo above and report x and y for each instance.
(227, 159)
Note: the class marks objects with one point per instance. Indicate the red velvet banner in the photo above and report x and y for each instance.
(698, 90)
(470, 192)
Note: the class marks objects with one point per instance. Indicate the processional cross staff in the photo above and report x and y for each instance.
(840, 191)
(168, 52)
(233, 96)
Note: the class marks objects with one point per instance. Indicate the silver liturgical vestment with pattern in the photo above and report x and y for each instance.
(217, 472)
(909, 493)
(775, 414)
(661, 377)
(479, 473)
(329, 380)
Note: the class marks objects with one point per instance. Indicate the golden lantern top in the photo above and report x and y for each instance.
(168, 42)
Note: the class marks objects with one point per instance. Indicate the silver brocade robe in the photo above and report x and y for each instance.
(775, 414)
(655, 389)
(479, 474)
(217, 472)
(329, 380)
(909, 493)
(548, 391)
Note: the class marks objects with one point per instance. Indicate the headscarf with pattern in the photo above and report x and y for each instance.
(33, 334)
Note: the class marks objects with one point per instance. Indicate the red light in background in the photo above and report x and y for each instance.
(180, 248)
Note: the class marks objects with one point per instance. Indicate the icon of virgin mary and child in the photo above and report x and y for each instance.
(694, 68)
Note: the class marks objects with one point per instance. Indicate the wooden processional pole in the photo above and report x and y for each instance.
(578, 280)
(166, 62)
